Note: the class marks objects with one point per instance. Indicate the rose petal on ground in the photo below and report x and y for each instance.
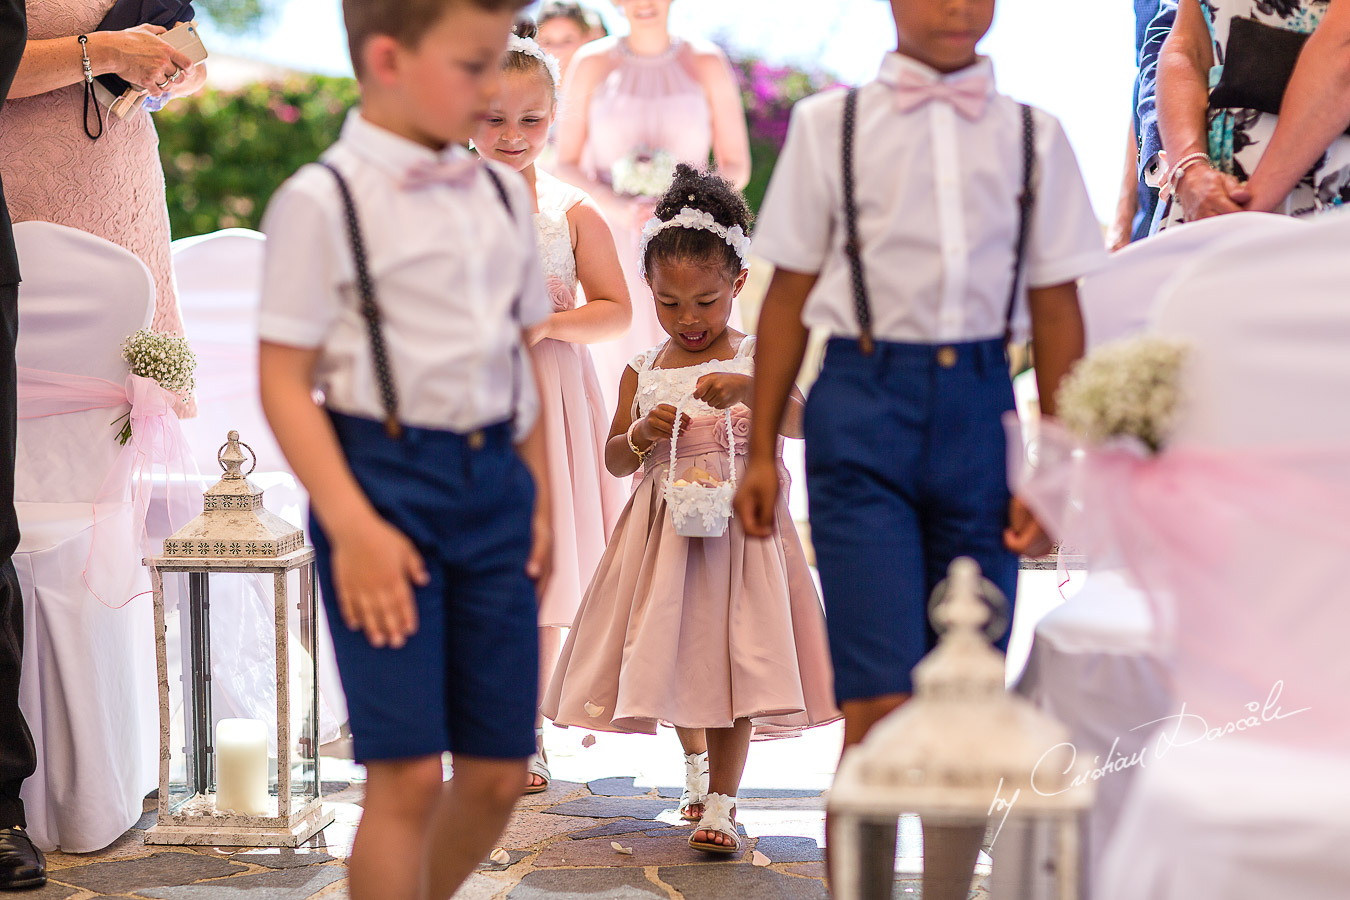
(500, 857)
(620, 848)
(588, 741)
(759, 859)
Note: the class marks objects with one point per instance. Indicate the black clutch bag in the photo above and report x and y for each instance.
(1257, 66)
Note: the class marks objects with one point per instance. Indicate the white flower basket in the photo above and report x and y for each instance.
(697, 510)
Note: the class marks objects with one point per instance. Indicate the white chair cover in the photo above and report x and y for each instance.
(88, 685)
(219, 277)
(1256, 812)
(1094, 662)
(1118, 299)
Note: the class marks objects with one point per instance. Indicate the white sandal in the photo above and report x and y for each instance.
(538, 766)
(695, 783)
(718, 816)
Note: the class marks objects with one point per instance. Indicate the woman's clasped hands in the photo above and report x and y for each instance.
(1204, 192)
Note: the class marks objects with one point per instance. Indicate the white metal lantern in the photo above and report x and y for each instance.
(219, 783)
(961, 755)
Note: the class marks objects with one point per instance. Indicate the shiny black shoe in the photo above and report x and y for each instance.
(21, 864)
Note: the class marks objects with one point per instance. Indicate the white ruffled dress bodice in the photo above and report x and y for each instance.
(658, 386)
(555, 238)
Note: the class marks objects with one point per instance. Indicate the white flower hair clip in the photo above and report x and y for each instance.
(530, 47)
(696, 220)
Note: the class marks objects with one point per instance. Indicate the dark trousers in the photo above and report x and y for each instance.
(906, 466)
(18, 760)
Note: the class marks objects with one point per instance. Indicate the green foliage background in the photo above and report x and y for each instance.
(225, 152)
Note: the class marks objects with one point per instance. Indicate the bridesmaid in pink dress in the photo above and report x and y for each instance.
(645, 91)
(576, 247)
(112, 187)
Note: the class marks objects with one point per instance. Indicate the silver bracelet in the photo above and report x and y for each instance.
(84, 59)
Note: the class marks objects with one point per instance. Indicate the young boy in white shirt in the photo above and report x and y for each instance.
(400, 275)
(904, 218)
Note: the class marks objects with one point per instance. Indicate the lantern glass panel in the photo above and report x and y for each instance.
(223, 646)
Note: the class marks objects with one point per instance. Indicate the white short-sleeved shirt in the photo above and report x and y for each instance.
(937, 212)
(448, 263)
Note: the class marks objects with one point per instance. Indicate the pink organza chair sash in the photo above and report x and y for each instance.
(1243, 554)
(156, 446)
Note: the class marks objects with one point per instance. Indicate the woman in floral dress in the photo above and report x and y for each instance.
(1236, 140)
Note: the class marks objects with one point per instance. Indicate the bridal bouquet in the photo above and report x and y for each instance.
(643, 173)
(1128, 388)
(166, 358)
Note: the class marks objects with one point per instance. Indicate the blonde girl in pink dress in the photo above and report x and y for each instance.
(576, 245)
(723, 636)
(636, 93)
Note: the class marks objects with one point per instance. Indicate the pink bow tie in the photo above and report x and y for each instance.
(968, 96)
(456, 172)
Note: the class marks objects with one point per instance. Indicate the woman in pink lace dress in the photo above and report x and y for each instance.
(112, 187)
(636, 93)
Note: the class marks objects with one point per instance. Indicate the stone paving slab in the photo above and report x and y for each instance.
(748, 793)
(620, 826)
(50, 891)
(714, 883)
(532, 827)
(611, 807)
(586, 884)
(805, 870)
(625, 787)
(619, 787)
(557, 792)
(284, 884)
(666, 850)
(158, 870)
(282, 858)
(788, 849)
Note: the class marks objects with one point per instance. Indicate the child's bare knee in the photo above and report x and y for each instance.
(404, 787)
(493, 784)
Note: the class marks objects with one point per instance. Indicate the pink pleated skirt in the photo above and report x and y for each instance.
(695, 632)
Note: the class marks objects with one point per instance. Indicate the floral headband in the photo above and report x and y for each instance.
(696, 220)
(530, 47)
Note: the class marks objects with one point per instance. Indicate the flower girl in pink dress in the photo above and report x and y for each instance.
(576, 245)
(718, 636)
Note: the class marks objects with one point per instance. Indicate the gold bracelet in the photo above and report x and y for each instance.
(640, 454)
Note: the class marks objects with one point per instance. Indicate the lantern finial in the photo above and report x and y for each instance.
(962, 608)
(231, 457)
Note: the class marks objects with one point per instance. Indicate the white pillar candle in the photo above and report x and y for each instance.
(241, 767)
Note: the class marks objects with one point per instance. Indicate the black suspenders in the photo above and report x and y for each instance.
(370, 310)
(1026, 201)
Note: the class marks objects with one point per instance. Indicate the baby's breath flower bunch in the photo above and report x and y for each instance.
(643, 174)
(1127, 388)
(164, 357)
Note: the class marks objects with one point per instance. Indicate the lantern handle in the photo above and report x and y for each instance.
(220, 462)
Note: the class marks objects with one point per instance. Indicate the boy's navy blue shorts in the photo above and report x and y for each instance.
(467, 680)
(905, 471)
